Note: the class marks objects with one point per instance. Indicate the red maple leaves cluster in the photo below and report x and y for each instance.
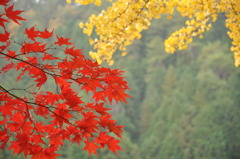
(37, 122)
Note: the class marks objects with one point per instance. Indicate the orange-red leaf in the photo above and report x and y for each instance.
(4, 37)
(46, 34)
(4, 2)
(91, 147)
(13, 15)
(32, 33)
(63, 41)
(2, 21)
(113, 145)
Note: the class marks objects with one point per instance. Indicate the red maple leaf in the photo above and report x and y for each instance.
(7, 67)
(41, 79)
(32, 33)
(14, 15)
(4, 137)
(3, 47)
(49, 57)
(2, 21)
(113, 145)
(11, 54)
(46, 34)
(103, 139)
(28, 47)
(115, 129)
(4, 37)
(45, 154)
(99, 107)
(73, 52)
(63, 41)
(4, 2)
(89, 122)
(91, 147)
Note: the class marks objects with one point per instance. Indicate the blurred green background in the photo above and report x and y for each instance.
(185, 105)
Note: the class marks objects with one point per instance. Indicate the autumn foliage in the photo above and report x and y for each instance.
(120, 24)
(37, 121)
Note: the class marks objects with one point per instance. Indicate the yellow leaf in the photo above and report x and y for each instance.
(97, 2)
(124, 54)
(119, 25)
(111, 62)
(81, 25)
(93, 54)
(91, 41)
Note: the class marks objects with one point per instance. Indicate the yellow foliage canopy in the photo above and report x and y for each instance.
(124, 21)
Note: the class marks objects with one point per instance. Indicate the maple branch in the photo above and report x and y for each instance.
(21, 89)
(47, 107)
(21, 99)
(64, 109)
(41, 69)
(27, 102)
(34, 125)
(51, 74)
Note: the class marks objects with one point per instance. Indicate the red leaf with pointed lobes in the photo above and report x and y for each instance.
(32, 33)
(14, 15)
(49, 57)
(115, 129)
(10, 53)
(4, 142)
(63, 41)
(3, 47)
(113, 145)
(91, 147)
(42, 111)
(56, 140)
(62, 116)
(4, 137)
(41, 79)
(48, 98)
(88, 123)
(36, 139)
(4, 2)
(26, 127)
(99, 96)
(4, 37)
(7, 68)
(103, 138)
(106, 122)
(71, 97)
(15, 146)
(74, 52)
(99, 107)
(46, 34)
(17, 117)
(2, 21)
(21, 145)
(28, 47)
(45, 154)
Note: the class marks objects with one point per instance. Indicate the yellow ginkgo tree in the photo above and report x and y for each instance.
(120, 24)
